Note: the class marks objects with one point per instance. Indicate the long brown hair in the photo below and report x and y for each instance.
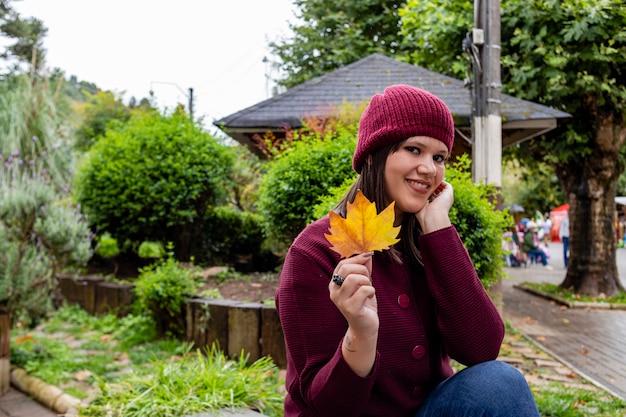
(371, 182)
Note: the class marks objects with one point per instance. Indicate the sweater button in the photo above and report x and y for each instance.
(417, 392)
(403, 300)
(418, 352)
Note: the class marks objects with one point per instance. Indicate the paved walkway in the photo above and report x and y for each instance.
(590, 342)
(14, 403)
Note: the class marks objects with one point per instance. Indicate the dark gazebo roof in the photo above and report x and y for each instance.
(358, 82)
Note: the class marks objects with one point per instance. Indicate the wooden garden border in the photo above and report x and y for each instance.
(235, 327)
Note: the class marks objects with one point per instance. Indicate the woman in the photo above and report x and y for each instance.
(378, 340)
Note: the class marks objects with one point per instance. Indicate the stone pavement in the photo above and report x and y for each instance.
(590, 343)
(15, 403)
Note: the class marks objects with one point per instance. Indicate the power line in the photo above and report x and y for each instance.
(189, 95)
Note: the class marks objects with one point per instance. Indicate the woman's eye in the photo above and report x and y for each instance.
(417, 151)
(413, 149)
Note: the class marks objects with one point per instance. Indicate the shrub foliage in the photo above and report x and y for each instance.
(162, 290)
(153, 178)
(41, 232)
(479, 224)
(297, 178)
(229, 234)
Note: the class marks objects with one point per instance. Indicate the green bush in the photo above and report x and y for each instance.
(479, 224)
(106, 246)
(150, 250)
(162, 290)
(39, 236)
(229, 234)
(297, 179)
(152, 179)
(334, 196)
(41, 231)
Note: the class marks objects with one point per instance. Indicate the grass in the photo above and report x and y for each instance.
(560, 401)
(123, 369)
(131, 373)
(575, 397)
(192, 383)
(568, 295)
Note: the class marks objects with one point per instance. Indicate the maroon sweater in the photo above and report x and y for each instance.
(427, 315)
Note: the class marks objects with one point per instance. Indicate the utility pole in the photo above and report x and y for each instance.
(188, 96)
(484, 49)
(191, 103)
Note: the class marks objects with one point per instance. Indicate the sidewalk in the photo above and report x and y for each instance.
(589, 341)
(15, 403)
(592, 343)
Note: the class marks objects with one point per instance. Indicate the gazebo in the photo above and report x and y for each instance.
(358, 82)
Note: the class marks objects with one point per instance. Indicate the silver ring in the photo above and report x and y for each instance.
(338, 279)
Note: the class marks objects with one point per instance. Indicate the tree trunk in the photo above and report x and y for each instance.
(592, 268)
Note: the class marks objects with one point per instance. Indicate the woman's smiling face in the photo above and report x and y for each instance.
(413, 172)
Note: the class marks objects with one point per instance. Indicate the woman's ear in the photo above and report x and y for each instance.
(369, 159)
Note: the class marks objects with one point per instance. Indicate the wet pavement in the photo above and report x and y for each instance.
(590, 341)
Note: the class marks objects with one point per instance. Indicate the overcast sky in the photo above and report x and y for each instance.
(215, 47)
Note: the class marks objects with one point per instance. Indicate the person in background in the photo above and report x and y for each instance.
(547, 229)
(373, 334)
(530, 245)
(564, 236)
(539, 222)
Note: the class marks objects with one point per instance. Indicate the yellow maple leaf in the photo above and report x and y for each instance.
(363, 230)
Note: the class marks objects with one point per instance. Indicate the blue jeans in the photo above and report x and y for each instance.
(489, 389)
(539, 255)
(565, 240)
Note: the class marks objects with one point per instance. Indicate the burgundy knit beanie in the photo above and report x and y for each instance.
(401, 112)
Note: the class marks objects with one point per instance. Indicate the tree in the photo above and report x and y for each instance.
(533, 184)
(569, 54)
(27, 35)
(331, 34)
(621, 185)
(435, 30)
(578, 51)
(101, 108)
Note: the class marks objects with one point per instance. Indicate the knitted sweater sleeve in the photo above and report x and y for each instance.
(471, 326)
(319, 381)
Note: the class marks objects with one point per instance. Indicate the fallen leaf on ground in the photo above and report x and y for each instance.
(82, 375)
